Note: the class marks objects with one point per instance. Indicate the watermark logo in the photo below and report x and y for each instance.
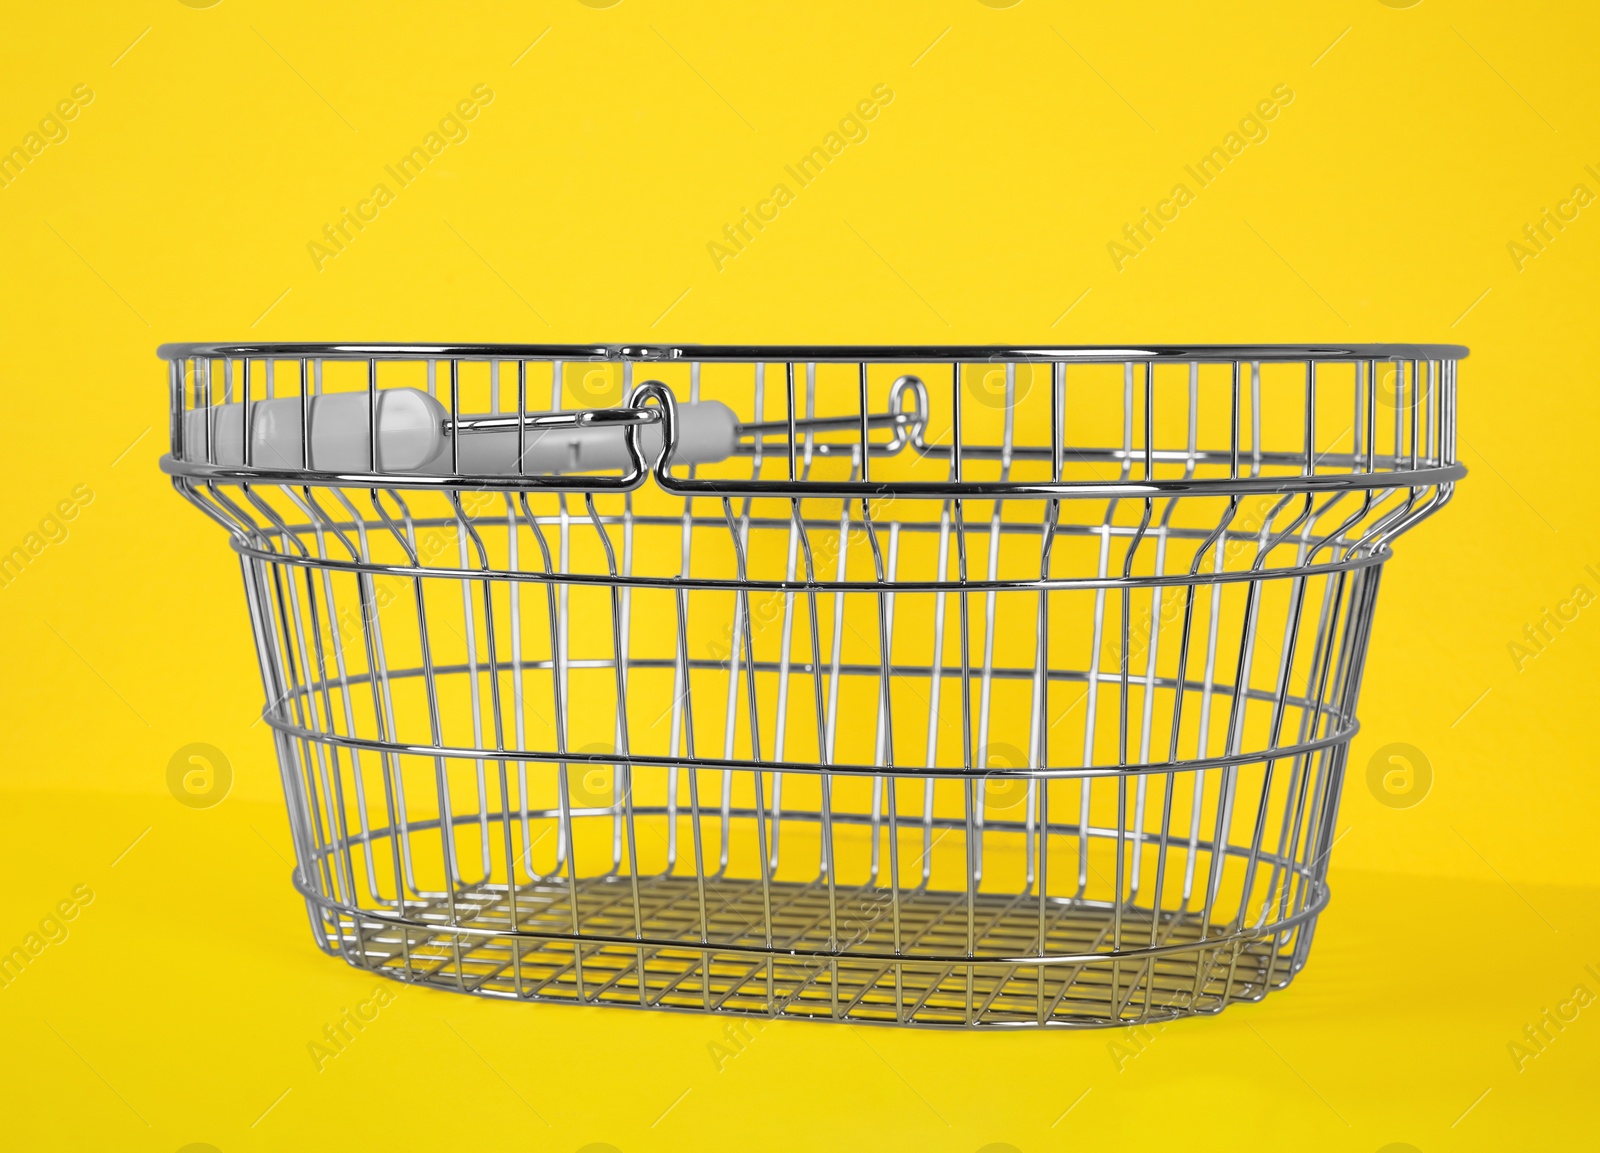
(1399, 775)
(1001, 791)
(591, 785)
(1394, 390)
(594, 385)
(990, 384)
(199, 776)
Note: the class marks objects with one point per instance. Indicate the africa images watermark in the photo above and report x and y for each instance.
(1540, 1033)
(1542, 232)
(452, 129)
(740, 1034)
(1151, 223)
(52, 930)
(852, 129)
(353, 620)
(338, 1035)
(1551, 623)
(1133, 1041)
(52, 530)
(858, 916)
(778, 602)
(52, 130)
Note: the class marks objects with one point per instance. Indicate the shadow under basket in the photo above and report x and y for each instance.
(954, 687)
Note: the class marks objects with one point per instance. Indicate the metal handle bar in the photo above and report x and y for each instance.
(582, 418)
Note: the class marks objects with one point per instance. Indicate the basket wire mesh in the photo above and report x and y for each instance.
(975, 687)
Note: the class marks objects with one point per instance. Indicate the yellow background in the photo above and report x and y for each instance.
(1419, 143)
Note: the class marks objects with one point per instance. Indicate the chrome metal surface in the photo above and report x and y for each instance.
(978, 687)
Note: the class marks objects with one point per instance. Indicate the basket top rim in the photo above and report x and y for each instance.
(897, 353)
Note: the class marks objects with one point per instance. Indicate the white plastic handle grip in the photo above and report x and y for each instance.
(414, 436)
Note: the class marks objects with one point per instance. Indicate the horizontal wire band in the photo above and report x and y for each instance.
(1221, 689)
(913, 825)
(909, 490)
(1338, 738)
(969, 526)
(1033, 585)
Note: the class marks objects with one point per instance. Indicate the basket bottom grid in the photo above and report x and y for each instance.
(734, 973)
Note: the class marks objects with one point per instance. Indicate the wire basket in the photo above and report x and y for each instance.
(933, 686)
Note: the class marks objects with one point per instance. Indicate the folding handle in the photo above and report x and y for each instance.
(416, 434)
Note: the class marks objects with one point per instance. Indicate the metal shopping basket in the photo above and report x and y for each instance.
(935, 686)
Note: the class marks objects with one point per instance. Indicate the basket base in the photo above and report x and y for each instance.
(543, 955)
